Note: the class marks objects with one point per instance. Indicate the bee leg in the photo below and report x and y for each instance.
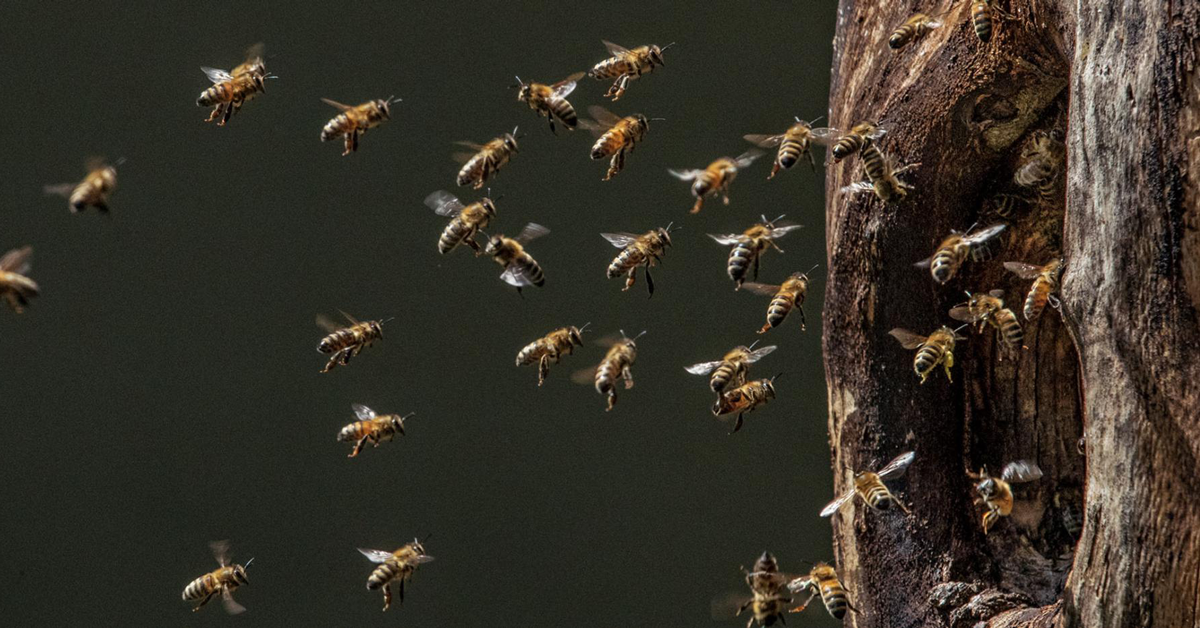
(402, 591)
(774, 170)
(612, 399)
(205, 600)
(811, 162)
(698, 205)
(649, 281)
(627, 375)
(228, 114)
(543, 369)
(474, 245)
(551, 119)
(215, 112)
(803, 322)
(947, 363)
(387, 596)
(725, 198)
(630, 279)
(1054, 302)
(738, 424)
(755, 271)
(358, 447)
(901, 505)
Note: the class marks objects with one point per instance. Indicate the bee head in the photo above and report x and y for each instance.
(766, 562)
(987, 487)
(656, 57)
(398, 421)
(769, 386)
(494, 244)
(510, 140)
(576, 334)
(524, 90)
(418, 547)
(664, 234)
(239, 573)
(489, 206)
(385, 106)
(377, 327)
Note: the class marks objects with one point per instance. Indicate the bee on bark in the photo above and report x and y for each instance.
(355, 121)
(1070, 513)
(222, 581)
(642, 251)
(520, 269)
(913, 29)
(716, 178)
(1044, 288)
(749, 246)
(93, 191)
(487, 159)
(744, 399)
(823, 580)
(995, 494)
(616, 365)
(870, 487)
(397, 566)
(15, 287)
(988, 309)
(465, 221)
(1041, 163)
(855, 139)
(932, 350)
(345, 342)
(784, 298)
(983, 14)
(793, 144)
(232, 89)
(371, 427)
(550, 348)
(767, 601)
(551, 100)
(731, 369)
(616, 136)
(882, 176)
(625, 65)
(953, 251)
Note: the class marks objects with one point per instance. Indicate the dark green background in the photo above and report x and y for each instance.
(164, 390)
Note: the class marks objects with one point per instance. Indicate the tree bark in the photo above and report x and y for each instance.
(1118, 364)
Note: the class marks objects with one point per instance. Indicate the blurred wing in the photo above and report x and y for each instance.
(1023, 270)
(729, 606)
(998, 293)
(748, 157)
(444, 203)
(825, 135)
(728, 239)
(231, 607)
(604, 116)
(376, 556)
(256, 51)
(614, 49)
(925, 263)
(1021, 471)
(800, 584)
(983, 235)
(686, 175)
(514, 276)
(353, 321)
(784, 230)
(879, 132)
(462, 158)
(908, 339)
(17, 260)
(765, 141)
(960, 313)
(362, 412)
(836, 504)
(765, 289)
(897, 467)
(336, 104)
(703, 368)
(220, 550)
(858, 188)
(61, 189)
(759, 354)
(326, 323)
(215, 75)
(531, 232)
(620, 240)
(584, 376)
(563, 88)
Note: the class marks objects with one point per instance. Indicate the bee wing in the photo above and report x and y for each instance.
(220, 550)
(765, 289)
(563, 88)
(836, 505)
(728, 606)
(748, 157)
(375, 556)
(897, 466)
(908, 339)
(353, 321)
(614, 49)
(825, 135)
(686, 175)
(17, 260)
(362, 412)
(620, 240)
(337, 105)
(998, 293)
(515, 277)
(800, 584)
(759, 354)
(959, 313)
(462, 158)
(779, 232)
(703, 368)
(858, 188)
(422, 559)
(876, 133)
(59, 189)
(444, 203)
(231, 607)
(215, 75)
(925, 263)
(326, 323)
(727, 239)
(765, 141)
(605, 117)
(983, 235)
(1023, 270)
(1021, 471)
(531, 232)
(256, 51)
(584, 376)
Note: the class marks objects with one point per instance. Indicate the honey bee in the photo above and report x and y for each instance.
(1041, 163)
(823, 580)
(855, 138)
(371, 427)
(1005, 205)
(551, 347)
(355, 121)
(953, 251)
(716, 178)
(551, 100)
(397, 566)
(981, 309)
(792, 144)
(615, 366)
(479, 166)
(767, 603)
(16, 288)
(732, 368)
(784, 298)
(520, 269)
(1069, 512)
(232, 89)
(882, 176)
(937, 348)
(345, 342)
(981, 18)
(465, 221)
(644, 251)
(870, 487)
(617, 136)
(625, 65)
(996, 493)
(744, 399)
(223, 581)
(93, 191)
(749, 246)
(913, 29)
(1045, 285)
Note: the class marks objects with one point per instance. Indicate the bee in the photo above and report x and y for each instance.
(644, 250)
(784, 298)
(953, 251)
(716, 178)
(870, 487)
(767, 602)
(520, 269)
(625, 65)
(855, 138)
(749, 246)
(1041, 163)
(882, 176)
(1069, 512)
(345, 342)
(551, 100)
(551, 347)
(93, 191)
(615, 365)
(1005, 205)
(397, 566)
(937, 348)
(232, 89)
(464, 223)
(371, 427)
(981, 18)
(1045, 285)
(478, 167)
(744, 399)
(792, 144)
(913, 29)
(981, 309)
(16, 288)
(732, 368)
(823, 580)
(223, 581)
(617, 136)
(996, 493)
(354, 121)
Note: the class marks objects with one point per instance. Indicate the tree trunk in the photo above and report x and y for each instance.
(1118, 364)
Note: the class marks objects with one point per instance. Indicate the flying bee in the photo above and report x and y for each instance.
(551, 347)
(823, 580)
(792, 144)
(731, 369)
(520, 269)
(93, 191)
(616, 365)
(953, 251)
(716, 178)
(1005, 205)
(232, 89)
(1041, 163)
(355, 121)
(855, 138)
(465, 221)
(784, 298)
(223, 581)
(551, 100)
(882, 175)
(981, 309)
(749, 246)
(982, 13)
(397, 566)
(870, 487)
(625, 65)
(1045, 285)
(617, 136)
(936, 348)
(487, 159)
(16, 288)
(744, 399)
(644, 251)
(996, 493)
(913, 29)
(766, 602)
(371, 427)
(345, 342)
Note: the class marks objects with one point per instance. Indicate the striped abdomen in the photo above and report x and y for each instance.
(341, 124)
(1039, 294)
(874, 163)
(532, 352)
(1010, 328)
(740, 258)
(707, 181)
(454, 233)
(877, 496)
(946, 262)
(18, 283)
(1039, 173)
(530, 269)
(834, 597)
(981, 19)
(612, 68)
(201, 587)
(723, 374)
(612, 141)
(929, 355)
(847, 145)
(356, 431)
(781, 305)
(483, 165)
(790, 150)
(387, 572)
(606, 377)
(561, 109)
(339, 340)
(629, 257)
(221, 92)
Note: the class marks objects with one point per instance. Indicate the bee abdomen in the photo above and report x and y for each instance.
(927, 358)
(608, 144)
(739, 261)
(452, 235)
(354, 431)
(873, 162)
(605, 376)
(383, 574)
(847, 145)
(198, 588)
(532, 270)
(720, 377)
(703, 183)
(1036, 301)
(943, 265)
(878, 497)
(609, 68)
(1010, 329)
(336, 341)
(564, 112)
(789, 152)
(902, 36)
(335, 127)
(626, 259)
(530, 354)
(780, 307)
(835, 600)
(981, 18)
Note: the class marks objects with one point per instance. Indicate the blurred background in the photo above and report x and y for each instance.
(164, 391)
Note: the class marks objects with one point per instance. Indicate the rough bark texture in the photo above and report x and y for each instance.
(1120, 360)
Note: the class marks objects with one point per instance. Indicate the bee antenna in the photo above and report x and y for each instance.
(776, 376)
(391, 99)
(814, 267)
(247, 565)
(764, 219)
(813, 121)
(387, 319)
(640, 335)
(754, 343)
(666, 46)
(778, 219)
(660, 119)
(514, 131)
(968, 293)
(585, 326)
(959, 328)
